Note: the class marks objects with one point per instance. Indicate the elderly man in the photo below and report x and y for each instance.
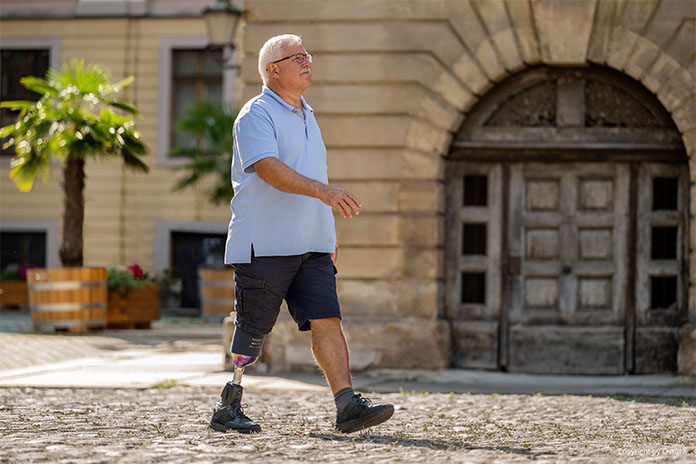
(281, 239)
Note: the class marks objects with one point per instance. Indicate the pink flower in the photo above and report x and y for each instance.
(137, 271)
(22, 271)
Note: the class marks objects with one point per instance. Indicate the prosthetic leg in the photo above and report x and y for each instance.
(228, 414)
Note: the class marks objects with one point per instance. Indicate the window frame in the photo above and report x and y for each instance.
(163, 237)
(165, 101)
(47, 226)
(53, 45)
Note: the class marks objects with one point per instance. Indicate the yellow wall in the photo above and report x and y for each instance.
(121, 207)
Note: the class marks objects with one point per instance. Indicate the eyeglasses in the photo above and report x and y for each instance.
(298, 58)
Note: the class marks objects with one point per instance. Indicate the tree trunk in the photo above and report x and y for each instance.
(74, 214)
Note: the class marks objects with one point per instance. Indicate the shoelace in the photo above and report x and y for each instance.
(364, 401)
(241, 410)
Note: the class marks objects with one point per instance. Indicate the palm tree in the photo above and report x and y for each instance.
(211, 125)
(72, 121)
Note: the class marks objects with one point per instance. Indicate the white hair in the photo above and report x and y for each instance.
(271, 51)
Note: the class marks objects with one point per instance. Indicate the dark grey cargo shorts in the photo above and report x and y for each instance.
(307, 282)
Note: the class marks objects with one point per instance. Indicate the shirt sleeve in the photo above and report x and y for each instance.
(255, 138)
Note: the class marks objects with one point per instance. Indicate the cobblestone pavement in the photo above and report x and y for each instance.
(170, 425)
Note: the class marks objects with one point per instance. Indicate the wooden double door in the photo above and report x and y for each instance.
(573, 267)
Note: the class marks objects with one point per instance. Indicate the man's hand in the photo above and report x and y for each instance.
(334, 255)
(341, 200)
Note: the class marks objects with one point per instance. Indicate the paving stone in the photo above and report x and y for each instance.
(170, 426)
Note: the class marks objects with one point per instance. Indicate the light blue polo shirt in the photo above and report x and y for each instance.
(274, 222)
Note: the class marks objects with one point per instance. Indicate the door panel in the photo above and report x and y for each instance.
(567, 225)
(661, 265)
(474, 202)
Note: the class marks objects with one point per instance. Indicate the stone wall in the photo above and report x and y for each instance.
(393, 81)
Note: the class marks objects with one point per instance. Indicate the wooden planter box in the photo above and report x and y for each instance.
(135, 310)
(217, 293)
(14, 293)
(72, 299)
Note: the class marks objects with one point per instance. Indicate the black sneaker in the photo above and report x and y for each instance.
(360, 414)
(229, 415)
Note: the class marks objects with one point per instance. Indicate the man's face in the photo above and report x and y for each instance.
(291, 72)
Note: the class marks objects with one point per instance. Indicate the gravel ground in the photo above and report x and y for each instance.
(170, 425)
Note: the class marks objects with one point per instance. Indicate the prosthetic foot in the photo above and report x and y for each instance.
(229, 415)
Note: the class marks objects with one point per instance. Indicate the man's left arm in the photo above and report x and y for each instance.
(278, 174)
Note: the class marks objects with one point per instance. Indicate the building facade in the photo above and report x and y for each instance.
(526, 169)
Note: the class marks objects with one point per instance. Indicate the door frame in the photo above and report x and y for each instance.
(509, 266)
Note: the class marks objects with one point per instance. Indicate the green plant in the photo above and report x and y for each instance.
(213, 124)
(15, 272)
(167, 279)
(72, 121)
(124, 279)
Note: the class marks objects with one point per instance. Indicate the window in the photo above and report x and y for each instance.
(196, 76)
(473, 287)
(474, 239)
(663, 292)
(22, 249)
(664, 243)
(16, 64)
(475, 190)
(665, 193)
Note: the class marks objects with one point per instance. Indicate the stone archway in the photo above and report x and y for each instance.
(567, 227)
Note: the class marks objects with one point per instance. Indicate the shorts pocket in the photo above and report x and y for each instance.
(249, 292)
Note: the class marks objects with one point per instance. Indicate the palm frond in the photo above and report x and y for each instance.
(214, 123)
(25, 169)
(17, 105)
(39, 85)
(123, 105)
(121, 84)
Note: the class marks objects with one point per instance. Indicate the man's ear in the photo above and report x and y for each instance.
(272, 70)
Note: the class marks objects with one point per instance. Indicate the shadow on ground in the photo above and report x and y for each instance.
(450, 445)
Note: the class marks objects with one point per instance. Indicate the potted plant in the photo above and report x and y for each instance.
(13, 286)
(133, 297)
(75, 119)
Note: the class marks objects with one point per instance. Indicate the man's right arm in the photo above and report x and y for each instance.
(279, 175)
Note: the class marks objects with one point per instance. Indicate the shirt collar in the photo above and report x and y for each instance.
(285, 104)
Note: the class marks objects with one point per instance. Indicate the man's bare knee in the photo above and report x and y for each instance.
(325, 324)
